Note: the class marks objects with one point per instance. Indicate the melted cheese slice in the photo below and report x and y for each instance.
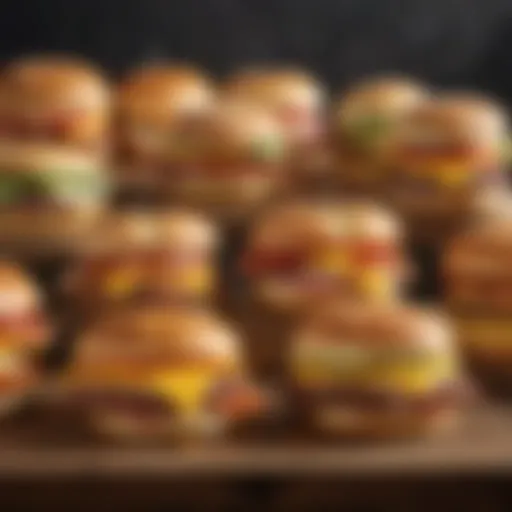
(184, 388)
(376, 284)
(401, 378)
(336, 366)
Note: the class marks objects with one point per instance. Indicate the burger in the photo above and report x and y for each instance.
(297, 100)
(154, 373)
(55, 100)
(364, 120)
(364, 370)
(478, 293)
(446, 156)
(50, 199)
(144, 258)
(52, 152)
(301, 251)
(160, 111)
(240, 166)
(24, 335)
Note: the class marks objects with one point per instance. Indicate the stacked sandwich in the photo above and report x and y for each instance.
(144, 258)
(24, 336)
(159, 373)
(478, 292)
(52, 153)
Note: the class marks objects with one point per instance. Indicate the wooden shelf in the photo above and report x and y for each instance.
(483, 444)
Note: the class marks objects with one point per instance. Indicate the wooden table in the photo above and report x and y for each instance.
(274, 474)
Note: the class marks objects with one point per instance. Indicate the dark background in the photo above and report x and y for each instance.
(447, 42)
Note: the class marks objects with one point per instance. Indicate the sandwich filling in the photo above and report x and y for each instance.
(370, 269)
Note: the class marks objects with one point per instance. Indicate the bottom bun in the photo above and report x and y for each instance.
(44, 231)
(126, 427)
(351, 423)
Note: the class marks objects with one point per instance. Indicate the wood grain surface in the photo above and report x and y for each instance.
(32, 446)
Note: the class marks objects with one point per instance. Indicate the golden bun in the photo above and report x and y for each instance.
(54, 82)
(120, 231)
(164, 91)
(389, 95)
(48, 232)
(482, 250)
(364, 425)
(160, 336)
(276, 87)
(465, 116)
(40, 157)
(378, 325)
(314, 220)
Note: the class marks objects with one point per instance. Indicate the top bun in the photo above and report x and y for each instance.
(164, 91)
(124, 231)
(277, 87)
(55, 82)
(312, 221)
(170, 337)
(462, 115)
(378, 325)
(386, 95)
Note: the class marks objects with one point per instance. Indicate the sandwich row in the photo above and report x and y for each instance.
(151, 357)
(70, 144)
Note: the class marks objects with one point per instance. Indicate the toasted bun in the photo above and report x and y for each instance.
(484, 249)
(120, 231)
(55, 82)
(374, 325)
(277, 88)
(241, 120)
(128, 428)
(238, 125)
(467, 116)
(164, 91)
(311, 221)
(356, 424)
(385, 95)
(18, 292)
(47, 232)
(38, 157)
(160, 336)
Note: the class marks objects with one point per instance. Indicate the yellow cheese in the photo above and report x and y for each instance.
(376, 284)
(121, 283)
(453, 174)
(198, 280)
(405, 378)
(188, 389)
(185, 388)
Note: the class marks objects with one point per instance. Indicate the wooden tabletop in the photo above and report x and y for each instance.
(482, 444)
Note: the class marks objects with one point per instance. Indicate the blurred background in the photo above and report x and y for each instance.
(447, 42)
